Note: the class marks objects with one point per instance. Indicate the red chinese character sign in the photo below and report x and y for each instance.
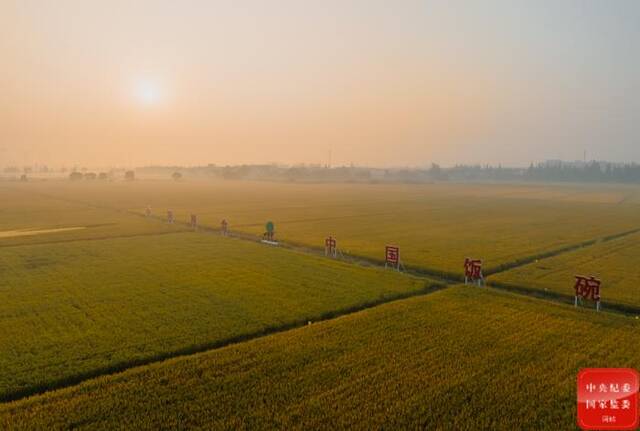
(473, 271)
(330, 247)
(194, 221)
(170, 218)
(224, 227)
(392, 256)
(608, 399)
(587, 288)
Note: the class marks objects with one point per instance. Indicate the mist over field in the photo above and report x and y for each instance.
(365, 82)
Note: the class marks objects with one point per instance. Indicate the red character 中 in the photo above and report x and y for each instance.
(330, 247)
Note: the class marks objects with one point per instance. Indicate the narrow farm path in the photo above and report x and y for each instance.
(411, 269)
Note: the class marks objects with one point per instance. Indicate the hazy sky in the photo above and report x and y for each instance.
(372, 82)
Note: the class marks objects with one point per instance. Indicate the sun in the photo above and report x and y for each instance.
(147, 92)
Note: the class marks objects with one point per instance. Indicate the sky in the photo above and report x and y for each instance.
(377, 83)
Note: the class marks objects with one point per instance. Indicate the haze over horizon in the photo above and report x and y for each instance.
(369, 82)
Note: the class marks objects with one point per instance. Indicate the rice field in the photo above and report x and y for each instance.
(435, 225)
(204, 326)
(77, 309)
(29, 217)
(614, 262)
(462, 358)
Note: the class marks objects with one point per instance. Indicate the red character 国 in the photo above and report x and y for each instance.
(392, 256)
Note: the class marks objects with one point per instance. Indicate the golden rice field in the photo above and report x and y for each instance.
(89, 288)
(25, 209)
(83, 308)
(462, 358)
(614, 262)
(436, 225)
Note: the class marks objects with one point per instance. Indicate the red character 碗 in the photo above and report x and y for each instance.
(587, 288)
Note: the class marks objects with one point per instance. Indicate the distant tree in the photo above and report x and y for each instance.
(23, 178)
(130, 176)
(103, 176)
(177, 176)
(76, 176)
(437, 173)
(90, 176)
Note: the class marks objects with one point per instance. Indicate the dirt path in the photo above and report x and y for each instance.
(33, 232)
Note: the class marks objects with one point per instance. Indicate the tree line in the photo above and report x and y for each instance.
(554, 171)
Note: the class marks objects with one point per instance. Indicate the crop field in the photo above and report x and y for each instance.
(436, 226)
(461, 358)
(614, 262)
(76, 309)
(109, 311)
(28, 217)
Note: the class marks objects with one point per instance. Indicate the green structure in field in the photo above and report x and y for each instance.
(270, 229)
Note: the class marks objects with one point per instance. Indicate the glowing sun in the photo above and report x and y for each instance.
(147, 92)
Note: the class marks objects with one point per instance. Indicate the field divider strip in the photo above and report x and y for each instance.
(449, 278)
(354, 259)
(97, 238)
(418, 271)
(297, 323)
(610, 307)
(552, 253)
